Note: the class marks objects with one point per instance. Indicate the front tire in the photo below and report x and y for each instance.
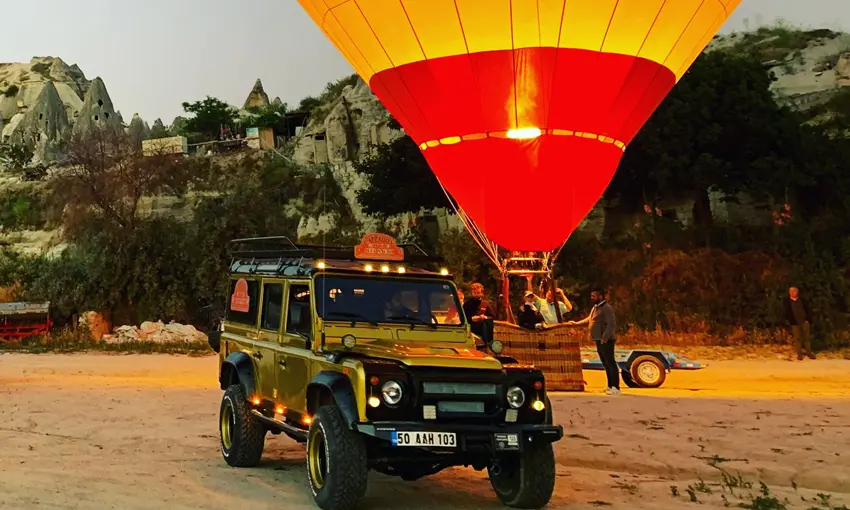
(241, 436)
(526, 480)
(336, 461)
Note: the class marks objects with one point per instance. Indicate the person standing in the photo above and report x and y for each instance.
(601, 324)
(799, 317)
(477, 309)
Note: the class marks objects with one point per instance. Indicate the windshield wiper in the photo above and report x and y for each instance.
(411, 318)
(353, 317)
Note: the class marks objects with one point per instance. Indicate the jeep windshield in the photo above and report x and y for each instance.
(397, 301)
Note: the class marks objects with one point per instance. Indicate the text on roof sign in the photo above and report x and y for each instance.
(378, 247)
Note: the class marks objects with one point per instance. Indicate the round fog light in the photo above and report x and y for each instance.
(496, 346)
(392, 393)
(349, 341)
(516, 397)
(374, 401)
(538, 405)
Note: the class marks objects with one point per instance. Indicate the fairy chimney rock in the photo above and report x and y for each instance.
(45, 120)
(97, 109)
(138, 130)
(257, 98)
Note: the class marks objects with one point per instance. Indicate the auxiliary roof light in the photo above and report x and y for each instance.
(385, 269)
(444, 272)
(402, 270)
(368, 268)
(321, 264)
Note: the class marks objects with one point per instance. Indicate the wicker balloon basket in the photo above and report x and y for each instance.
(554, 351)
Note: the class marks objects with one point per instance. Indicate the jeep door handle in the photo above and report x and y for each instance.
(258, 355)
(282, 363)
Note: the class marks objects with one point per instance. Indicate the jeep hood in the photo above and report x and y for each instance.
(445, 355)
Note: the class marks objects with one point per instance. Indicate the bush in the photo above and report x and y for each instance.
(23, 209)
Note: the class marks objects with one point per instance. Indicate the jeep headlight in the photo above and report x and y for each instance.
(516, 397)
(392, 393)
(496, 346)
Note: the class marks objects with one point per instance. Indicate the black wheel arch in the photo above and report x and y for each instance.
(333, 387)
(238, 368)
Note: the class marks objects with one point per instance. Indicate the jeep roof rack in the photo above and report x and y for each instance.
(279, 255)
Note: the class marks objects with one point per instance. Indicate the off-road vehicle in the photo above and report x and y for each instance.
(365, 355)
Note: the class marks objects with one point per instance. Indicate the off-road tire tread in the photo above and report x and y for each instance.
(346, 483)
(538, 463)
(248, 435)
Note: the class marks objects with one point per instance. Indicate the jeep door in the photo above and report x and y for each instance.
(268, 339)
(295, 341)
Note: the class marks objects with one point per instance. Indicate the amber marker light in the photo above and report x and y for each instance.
(538, 385)
(255, 401)
(307, 420)
(279, 410)
(374, 380)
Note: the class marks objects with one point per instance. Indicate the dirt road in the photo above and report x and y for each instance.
(139, 432)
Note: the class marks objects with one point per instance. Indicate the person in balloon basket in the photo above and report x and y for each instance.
(529, 316)
(477, 309)
(601, 323)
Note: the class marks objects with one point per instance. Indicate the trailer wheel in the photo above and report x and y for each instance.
(648, 372)
(628, 380)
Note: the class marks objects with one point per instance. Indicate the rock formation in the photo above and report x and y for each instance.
(46, 121)
(97, 109)
(138, 130)
(158, 130)
(257, 98)
(27, 80)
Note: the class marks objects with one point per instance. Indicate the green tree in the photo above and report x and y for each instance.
(719, 129)
(209, 116)
(270, 116)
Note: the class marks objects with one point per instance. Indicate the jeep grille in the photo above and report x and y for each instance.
(451, 388)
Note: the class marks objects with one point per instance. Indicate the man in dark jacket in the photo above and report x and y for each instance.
(799, 317)
(601, 323)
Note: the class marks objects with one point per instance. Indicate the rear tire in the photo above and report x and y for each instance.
(648, 372)
(526, 480)
(241, 435)
(337, 466)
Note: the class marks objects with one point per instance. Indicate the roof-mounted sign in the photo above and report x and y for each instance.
(378, 247)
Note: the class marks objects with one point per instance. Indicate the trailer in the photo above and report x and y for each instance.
(19, 321)
(642, 368)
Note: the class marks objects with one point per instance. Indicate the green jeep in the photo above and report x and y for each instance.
(369, 360)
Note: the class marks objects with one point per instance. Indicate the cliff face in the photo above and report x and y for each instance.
(21, 85)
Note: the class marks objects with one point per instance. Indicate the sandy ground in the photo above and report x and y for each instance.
(138, 432)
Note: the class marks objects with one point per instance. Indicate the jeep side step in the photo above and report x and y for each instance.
(296, 434)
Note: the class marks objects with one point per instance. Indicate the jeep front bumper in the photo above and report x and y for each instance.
(466, 438)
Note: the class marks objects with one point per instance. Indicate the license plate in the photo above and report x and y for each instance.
(432, 439)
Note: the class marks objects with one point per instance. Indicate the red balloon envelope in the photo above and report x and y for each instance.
(523, 108)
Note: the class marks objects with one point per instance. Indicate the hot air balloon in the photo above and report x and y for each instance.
(522, 108)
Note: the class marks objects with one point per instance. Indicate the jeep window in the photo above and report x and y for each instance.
(272, 306)
(298, 310)
(387, 300)
(248, 318)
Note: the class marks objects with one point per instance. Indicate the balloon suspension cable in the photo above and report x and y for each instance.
(489, 248)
